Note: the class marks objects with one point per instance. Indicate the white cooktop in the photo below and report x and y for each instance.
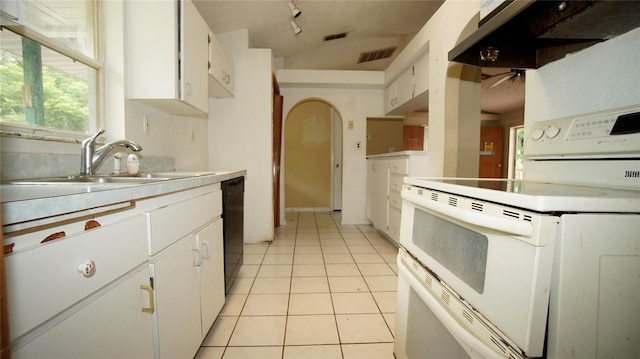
(537, 196)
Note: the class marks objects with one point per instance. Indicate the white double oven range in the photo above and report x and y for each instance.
(547, 266)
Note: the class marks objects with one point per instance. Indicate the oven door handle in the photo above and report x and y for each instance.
(506, 225)
(466, 339)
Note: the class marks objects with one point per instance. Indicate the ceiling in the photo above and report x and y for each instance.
(369, 25)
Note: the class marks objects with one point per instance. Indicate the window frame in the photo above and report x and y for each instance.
(97, 63)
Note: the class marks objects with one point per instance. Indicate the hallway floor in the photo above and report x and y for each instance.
(320, 290)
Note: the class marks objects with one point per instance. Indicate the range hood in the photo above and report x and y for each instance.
(529, 34)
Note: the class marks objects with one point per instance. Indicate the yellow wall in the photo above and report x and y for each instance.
(307, 164)
(384, 135)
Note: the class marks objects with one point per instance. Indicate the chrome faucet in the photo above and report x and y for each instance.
(91, 158)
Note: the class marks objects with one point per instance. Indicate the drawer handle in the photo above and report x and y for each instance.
(206, 245)
(91, 224)
(88, 268)
(151, 305)
(54, 236)
(198, 260)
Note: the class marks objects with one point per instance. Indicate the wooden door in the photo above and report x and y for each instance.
(277, 149)
(491, 152)
(412, 138)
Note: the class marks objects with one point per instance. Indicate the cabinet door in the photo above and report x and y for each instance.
(390, 100)
(195, 57)
(177, 293)
(113, 326)
(378, 193)
(221, 70)
(211, 273)
(421, 74)
(404, 91)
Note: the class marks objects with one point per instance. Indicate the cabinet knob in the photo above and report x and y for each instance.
(88, 268)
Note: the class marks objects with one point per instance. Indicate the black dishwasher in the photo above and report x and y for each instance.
(232, 222)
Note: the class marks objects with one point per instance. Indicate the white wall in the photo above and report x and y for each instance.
(240, 134)
(601, 77)
(352, 105)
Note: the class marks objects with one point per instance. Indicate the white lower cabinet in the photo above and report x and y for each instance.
(147, 282)
(189, 290)
(112, 326)
(177, 291)
(211, 273)
(58, 311)
(385, 177)
(188, 274)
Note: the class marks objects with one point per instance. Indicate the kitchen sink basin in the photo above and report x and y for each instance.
(98, 179)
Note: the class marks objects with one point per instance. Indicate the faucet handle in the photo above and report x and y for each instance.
(93, 138)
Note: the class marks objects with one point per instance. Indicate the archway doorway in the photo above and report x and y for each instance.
(313, 157)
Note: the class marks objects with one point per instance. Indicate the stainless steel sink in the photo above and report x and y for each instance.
(98, 179)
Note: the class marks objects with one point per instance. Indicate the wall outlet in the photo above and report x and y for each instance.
(358, 145)
(145, 124)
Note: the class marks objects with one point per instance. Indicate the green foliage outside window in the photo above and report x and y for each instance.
(65, 96)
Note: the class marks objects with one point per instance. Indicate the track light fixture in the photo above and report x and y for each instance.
(295, 12)
(296, 29)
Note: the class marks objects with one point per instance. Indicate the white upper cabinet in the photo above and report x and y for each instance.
(221, 70)
(409, 92)
(399, 91)
(167, 56)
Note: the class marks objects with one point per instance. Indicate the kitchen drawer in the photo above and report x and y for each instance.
(399, 166)
(44, 280)
(395, 182)
(170, 223)
(395, 200)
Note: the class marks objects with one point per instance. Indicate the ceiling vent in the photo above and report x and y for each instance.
(341, 35)
(376, 55)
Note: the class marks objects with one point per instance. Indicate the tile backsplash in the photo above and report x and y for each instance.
(15, 165)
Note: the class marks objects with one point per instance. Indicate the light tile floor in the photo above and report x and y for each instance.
(320, 290)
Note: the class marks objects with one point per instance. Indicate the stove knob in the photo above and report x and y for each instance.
(537, 134)
(553, 131)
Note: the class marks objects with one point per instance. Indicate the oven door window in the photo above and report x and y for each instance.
(462, 251)
(427, 337)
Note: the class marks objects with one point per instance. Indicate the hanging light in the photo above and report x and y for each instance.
(296, 29)
(295, 12)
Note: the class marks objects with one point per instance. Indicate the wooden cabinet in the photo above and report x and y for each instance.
(167, 56)
(221, 70)
(384, 184)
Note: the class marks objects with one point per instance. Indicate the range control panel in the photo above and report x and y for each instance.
(609, 134)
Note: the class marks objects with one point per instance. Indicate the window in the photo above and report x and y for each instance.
(49, 66)
(516, 152)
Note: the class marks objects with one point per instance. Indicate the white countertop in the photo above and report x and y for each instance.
(28, 202)
(398, 154)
